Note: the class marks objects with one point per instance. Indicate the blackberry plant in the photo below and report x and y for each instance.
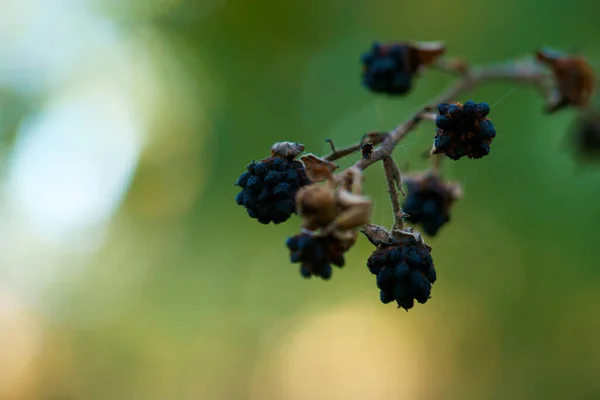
(331, 204)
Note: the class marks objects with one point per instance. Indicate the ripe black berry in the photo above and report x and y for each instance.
(269, 188)
(428, 202)
(316, 254)
(404, 271)
(463, 130)
(390, 68)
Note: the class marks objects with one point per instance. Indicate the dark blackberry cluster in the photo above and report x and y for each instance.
(404, 272)
(390, 68)
(427, 203)
(463, 130)
(269, 188)
(316, 254)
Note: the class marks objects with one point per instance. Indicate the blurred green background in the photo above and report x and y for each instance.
(128, 272)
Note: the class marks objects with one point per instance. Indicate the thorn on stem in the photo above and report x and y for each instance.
(331, 144)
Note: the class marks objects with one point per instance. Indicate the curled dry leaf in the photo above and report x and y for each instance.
(318, 169)
(428, 52)
(333, 209)
(574, 78)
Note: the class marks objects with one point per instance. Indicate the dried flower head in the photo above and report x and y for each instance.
(269, 187)
(336, 207)
(317, 169)
(574, 78)
(390, 68)
(429, 200)
(403, 266)
(463, 130)
(331, 212)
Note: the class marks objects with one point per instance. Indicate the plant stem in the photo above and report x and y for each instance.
(516, 71)
(436, 162)
(373, 138)
(393, 182)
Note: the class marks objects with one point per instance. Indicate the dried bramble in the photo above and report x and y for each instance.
(574, 78)
(269, 186)
(403, 266)
(428, 201)
(330, 213)
(390, 68)
(463, 130)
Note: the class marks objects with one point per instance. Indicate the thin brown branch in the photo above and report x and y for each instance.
(394, 182)
(453, 65)
(519, 71)
(428, 116)
(436, 162)
(346, 151)
(374, 138)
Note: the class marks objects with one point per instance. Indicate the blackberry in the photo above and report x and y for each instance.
(269, 188)
(405, 272)
(463, 130)
(315, 254)
(428, 202)
(390, 68)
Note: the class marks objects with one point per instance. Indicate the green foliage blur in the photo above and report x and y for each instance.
(182, 296)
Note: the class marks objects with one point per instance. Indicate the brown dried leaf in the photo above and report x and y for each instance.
(318, 169)
(575, 79)
(428, 52)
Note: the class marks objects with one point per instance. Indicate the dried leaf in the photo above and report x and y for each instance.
(317, 169)
(428, 52)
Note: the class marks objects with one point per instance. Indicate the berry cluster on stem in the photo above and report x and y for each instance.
(331, 203)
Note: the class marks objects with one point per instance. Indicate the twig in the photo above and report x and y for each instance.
(518, 71)
(393, 182)
(373, 138)
(346, 151)
(436, 162)
(523, 71)
(429, 116)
